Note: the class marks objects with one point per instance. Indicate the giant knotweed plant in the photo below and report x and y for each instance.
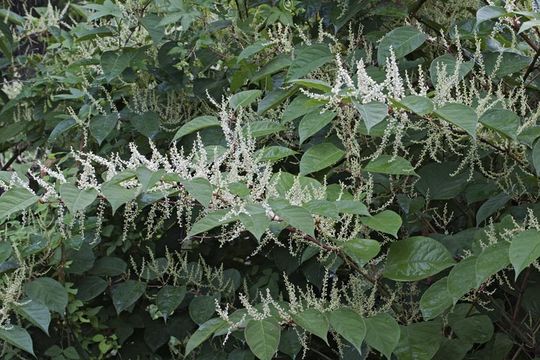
(318, 180)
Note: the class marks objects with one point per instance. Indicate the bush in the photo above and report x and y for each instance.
(295, 179)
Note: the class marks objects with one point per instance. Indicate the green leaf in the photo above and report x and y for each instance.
(462, 278)
(14, 200)
(453, 349)
(210, 221)
(200, 189)
(147, 123)
(274, 98)
(148, 178)
(244, 98)
(91, 287)
(313, 84)
(419, 341)
(382, 333)
(169, 298)
(387, 164)
(109, 266)
(524, 250)
(285, 181)
(295, 216)
(477, 329)
(300, 105)
(349, 325)
(322, 207)
(114, 63)
(252, 49)
(361, 250)
(492, 260)
(256, 221)
(319, 157)
(528, 25)
(18, 337)
(372, 113)
(198, 123)
(262, 337)
(500, 64)
(276, 64)
(5, 250)
(451, 67)
(491, 206)
(420, 105)
(201, 308)
(489, 12)
(435, 300)
(48, 292)
(76, 199)
(438, 181)
(62, 127)
(386, 221)
(505, 122)
(151, 24)
(402, 41)
(307, 59)
(239, 188)
(535, 158)
(102, 125)
(203, 333)
(118, 195)
(529, 135)
(460, 115)
(37, 313)
(290, 343)
(416, 258)
(108, 8)
(352, 207)
(274, 153)
(126, 294)
(263, 128)
(312, 122)
(313, 321)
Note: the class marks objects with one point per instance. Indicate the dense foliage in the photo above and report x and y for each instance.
(318, 179)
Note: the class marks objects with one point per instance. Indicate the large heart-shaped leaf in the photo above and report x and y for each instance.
(296, 216)
(18, 337)
(77, 199)
(524, 250)
(307, 59)
(436, 299)
(505, 122)
(198, 123)
(416, 258)
(350, 325)
(460, 115)
(386, 221)
(372, 113)
(313, 321)
(36, 313)
(382, 333)
(401, 41)
(262, 337)
(48, 292)
(126, 294)
(14, 200)
(203, 333)
(362, 250)
(320, 157)
(313, 122)
(419, 341)
(392, 165)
